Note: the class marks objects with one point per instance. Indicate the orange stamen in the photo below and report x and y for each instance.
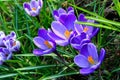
(90, 59)
(34, 9)
(47, 44)
(85, 29)
(67, 34)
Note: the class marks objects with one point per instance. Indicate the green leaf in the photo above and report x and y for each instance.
(59, 75)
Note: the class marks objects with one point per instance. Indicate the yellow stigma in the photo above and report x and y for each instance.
(85, 29)
(34, 9)
(67, 34)
(47, 44)
(90, 59)
(14, 43)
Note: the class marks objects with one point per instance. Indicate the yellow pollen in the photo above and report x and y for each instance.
(34, 9)
(85, 29)
(14, 43)
(67, 34)
(90, 59)
(47, 44)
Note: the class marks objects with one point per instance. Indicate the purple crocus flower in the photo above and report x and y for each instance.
(11, 43)
(33, 8)
(5, 54)
(88, 58)
(89, 30)
(61, 34)
(2, 35)
(44, 42)
(78, 40)
(61, 11)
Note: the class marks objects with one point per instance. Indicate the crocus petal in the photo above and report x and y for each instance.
(33, 13)
(54, 36)
(81, 61)
(84, 50)
(93, 51)
(43, 33)
(55, 14)
(39, 52)
(39, 42)
(81, 17)
(62, 42)
(78, 28)
(102, 54)
(61, 11)
(16, 47)
(40, 3)
(2, 36)
(68, 21)
(27, 7)
(70, 10)
(12, 34)
(33, 4)
(58, 29)
(86, 71)
(7, 52)
(95, 31)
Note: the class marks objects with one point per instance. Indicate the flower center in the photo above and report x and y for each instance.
(14, 43)
(34, 9)
(47, 44)
(90, 59)
(85, 29)
(67, 34)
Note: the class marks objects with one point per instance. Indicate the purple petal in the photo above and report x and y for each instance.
(55, 14)
(40, 52)
(95, 31)
(102, 54)
(2, 36)
(27, 7)
(84, 50)
(13, 34)
(54, 36)
(93, 51)
(39, 42)
(86, 71)
(16, 47)
(58, 29)
(68, 21)
(70, 10)
(89, 31)
(78, 28)
(62, 42)
(81, 17)
(81, 61)
(33, 4)
(34, 13)
(40, 3)
(61, 11)
(43, 33)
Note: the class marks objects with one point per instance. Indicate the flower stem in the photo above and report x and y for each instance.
(99, 74)
(63, 60)
(38, 18)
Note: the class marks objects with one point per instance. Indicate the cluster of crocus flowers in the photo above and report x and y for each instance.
(33, 8)
(8, 44)
(65, 31)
